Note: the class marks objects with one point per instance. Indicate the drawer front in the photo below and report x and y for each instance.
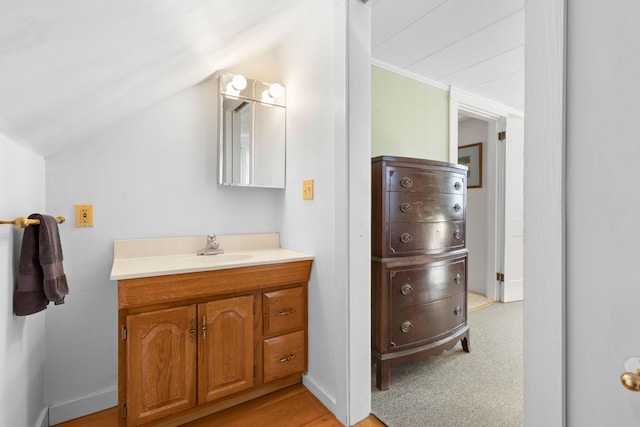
(426, 323)
(409, 179)
(283, 310)
(416, 286)
(284, 355)
(425, 207)
(415, 238)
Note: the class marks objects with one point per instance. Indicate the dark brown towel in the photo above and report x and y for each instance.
(41, 277)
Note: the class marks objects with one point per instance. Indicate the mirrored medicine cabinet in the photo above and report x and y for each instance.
(252, 137)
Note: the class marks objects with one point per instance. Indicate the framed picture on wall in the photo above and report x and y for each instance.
(471, 157)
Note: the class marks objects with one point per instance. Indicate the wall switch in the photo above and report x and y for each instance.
(84, 215)
(307, 189)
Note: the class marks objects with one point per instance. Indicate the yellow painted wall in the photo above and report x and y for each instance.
(409, 118)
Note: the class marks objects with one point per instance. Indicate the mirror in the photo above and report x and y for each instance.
(252, 118)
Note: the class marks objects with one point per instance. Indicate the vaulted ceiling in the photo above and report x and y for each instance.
(69, 68)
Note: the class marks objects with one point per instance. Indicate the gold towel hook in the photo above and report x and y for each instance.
(23, 221)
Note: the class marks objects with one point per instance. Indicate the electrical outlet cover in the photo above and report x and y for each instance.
(84, 215)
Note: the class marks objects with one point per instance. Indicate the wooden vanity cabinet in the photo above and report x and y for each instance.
(197, 343)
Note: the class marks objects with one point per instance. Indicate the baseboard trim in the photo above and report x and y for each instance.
(327, 400)
(43, 419)
(81, 407)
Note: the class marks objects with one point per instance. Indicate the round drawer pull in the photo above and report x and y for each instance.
(457, 185)
(458, 278)
(406, 237)
(457, 311)
(406, 289)
(406, 182)
(457, 234)
(406, 326)
(456, 207)
(406, 207)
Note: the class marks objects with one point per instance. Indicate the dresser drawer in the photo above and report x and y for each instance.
(427, 322)
(423, 207)
(283, 310)
(427, 283)
(416, 238)
(284, 355)
(410, 179)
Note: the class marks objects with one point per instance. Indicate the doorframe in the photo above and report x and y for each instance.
(496, 117)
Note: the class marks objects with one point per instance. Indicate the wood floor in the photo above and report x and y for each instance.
(294, 406)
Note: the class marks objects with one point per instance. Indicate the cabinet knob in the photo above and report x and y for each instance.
(458, 278)
(406, 182)
(457, 207)
(457, 311)
(457, 234)
(406, 289)
(406, 207)
(457, 185)
(406, 237)
(286, 312)
(406, 326)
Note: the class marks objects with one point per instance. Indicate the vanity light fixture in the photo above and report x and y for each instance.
(241, 87)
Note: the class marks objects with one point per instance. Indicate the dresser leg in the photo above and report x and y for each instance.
(382, 375)
(466, 344)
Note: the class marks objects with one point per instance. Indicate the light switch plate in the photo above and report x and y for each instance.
(307, 189)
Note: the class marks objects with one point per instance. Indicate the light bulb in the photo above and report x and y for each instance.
(275, 90)
(239, 82)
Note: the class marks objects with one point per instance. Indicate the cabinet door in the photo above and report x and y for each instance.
(161, 362)
(226, 347)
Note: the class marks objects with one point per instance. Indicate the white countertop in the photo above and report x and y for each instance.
(158, 257)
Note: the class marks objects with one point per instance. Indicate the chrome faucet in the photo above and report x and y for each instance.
(212, 248)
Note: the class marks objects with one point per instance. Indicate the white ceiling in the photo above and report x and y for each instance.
(70, 68)
(473, 45)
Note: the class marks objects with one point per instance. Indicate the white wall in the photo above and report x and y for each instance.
(22, 339)
(471, 131)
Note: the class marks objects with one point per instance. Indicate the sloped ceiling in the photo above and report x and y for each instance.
(69, 68)
(476, 46)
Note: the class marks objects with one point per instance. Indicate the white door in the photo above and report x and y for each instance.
(512, 148)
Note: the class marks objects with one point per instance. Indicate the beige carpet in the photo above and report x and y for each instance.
(483, 388)
(476, 301)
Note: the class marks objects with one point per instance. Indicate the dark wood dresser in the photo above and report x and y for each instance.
(418, 261)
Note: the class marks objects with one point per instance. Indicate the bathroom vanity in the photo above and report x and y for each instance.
(199, 334)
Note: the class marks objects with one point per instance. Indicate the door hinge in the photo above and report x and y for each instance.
(254, 307)
(254, 370)
(124, 411)
(124, 333)
(500, 277)
(502, 135)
